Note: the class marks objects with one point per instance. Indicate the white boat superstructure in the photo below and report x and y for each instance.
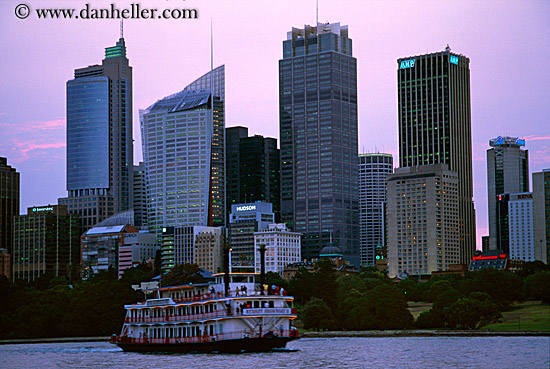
(206, 317)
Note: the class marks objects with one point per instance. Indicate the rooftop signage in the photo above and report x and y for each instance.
(454, 59)
(504, 140)
(44, 208)
(407, 64)
(245, 208)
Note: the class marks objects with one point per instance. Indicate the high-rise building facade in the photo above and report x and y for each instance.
(423, 224)
(520, 224)
(541, 213)
(244, 220)
(140, 197)
(507, 172)
(232, 165)
(100, 247)
(282, 247)
(435, 125)
(183, 152)
(259, 171)
(193, 245)
(373, 172)
(137, 248)
(253, 169)
(46, 242)
(9, 203)
(318, 132)
(99, 138)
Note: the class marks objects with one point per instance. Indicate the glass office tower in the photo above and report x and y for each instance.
(318, 131)
(507, 172)
(183, 152)
(99, 138)
(435, 126)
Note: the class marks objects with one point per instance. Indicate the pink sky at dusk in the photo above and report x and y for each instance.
(507, 43)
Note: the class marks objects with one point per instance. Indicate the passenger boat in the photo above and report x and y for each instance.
(238, 316)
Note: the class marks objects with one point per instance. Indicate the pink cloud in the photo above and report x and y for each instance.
(51, 124)
(27, 149)
(536, 138)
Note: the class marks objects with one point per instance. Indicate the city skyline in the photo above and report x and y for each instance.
(505, 44)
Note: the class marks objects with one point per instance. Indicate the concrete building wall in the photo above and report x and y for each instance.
(423, 224)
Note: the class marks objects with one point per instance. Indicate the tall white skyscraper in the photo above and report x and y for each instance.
(373, 172)
(183, 152)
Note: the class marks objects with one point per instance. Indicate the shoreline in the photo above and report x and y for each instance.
(327, 334)
(423, 333)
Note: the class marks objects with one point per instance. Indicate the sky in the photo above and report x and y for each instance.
(507, 43)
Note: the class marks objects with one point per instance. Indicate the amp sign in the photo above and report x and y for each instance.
(407, 64)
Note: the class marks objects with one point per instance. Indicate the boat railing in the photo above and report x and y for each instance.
(176, 318)
(232, 293)
(209, 338)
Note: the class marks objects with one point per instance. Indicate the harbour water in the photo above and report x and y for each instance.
(349, 352)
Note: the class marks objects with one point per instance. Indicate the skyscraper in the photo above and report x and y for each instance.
(423, 223)
(99, 138)
(233, 186)
(253, 169)
(9, 203)
(183, 152)
(435, 125)
(318, 131)
(507, 172)
(140, 197)
(373, 172)
(541, 213)
(259, 171)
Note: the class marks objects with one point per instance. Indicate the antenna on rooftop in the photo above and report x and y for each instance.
(122, 28)
(317, 15)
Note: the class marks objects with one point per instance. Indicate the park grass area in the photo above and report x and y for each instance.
(416, 308)
(531, 316)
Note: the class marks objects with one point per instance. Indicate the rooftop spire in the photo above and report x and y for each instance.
(122, 28)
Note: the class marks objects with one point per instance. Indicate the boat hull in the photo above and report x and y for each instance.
(255, 344)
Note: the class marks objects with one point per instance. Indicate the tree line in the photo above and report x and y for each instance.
(51, 307)
(371, 301)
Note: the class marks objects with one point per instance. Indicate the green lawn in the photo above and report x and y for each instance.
(418, 307)
(524, 317)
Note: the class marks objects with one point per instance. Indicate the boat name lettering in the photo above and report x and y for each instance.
(158, 302)
(267, 311)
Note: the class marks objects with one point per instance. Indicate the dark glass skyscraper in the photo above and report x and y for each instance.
(232, 164)
(435, 126)
(9, 202)
(318, 131)
(99, 138)
(507, 172)
(259, 171)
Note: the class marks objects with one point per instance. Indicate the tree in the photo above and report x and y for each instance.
(437, 288)
(183, 274)
(273, 278)
(324, 283)
(300, 286)
(137, 274)
(318, 315)
(410, 289)
(471, 313)
(537, 286)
